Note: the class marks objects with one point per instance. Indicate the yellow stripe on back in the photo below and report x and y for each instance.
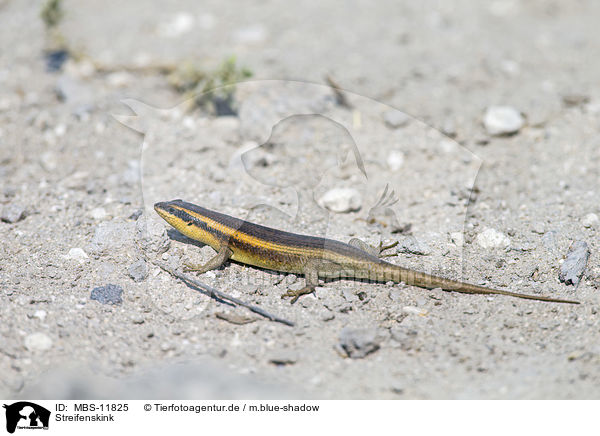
(244, 237)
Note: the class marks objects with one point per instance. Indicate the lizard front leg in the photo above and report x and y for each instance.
(215, 262)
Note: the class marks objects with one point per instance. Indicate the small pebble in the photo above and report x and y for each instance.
(404, 336)
(574, 265)
(491, 238)
(549, 240)
(111, 235)
(55, 59)
(457, 238)
(502, 120)
(539, 228)
(341, 200)
(411, 310)
(60, 130)
(152, 235)
(119, 79)
(109, 294)
(523, 247)
(357, 343)
(447, 145)
(166, 346)
(137, 319)
(40, 314)
(593, 107)
(395, 160)
(283, 357)
(77, 254)
(48, 161)
(136, 214)
(397, 389)
(177, 25)
(448, 128)
(327, 316)
(571, 100)
(12, 213)
(590, 220)
(395, 119)
(138, 270)
(481, 140)
(510, 67)
(235, 318)
(15, 382)
(349, 295)
(38, 342)
(98, 213)
(396, 294)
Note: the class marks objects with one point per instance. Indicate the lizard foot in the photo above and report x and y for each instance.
(297, 294)
(382, 248)
(375, 251)
(195, 267)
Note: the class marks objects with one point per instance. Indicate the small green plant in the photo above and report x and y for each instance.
(52, 13)
(214, 90)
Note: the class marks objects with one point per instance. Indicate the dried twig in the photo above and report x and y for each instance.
(213, 293)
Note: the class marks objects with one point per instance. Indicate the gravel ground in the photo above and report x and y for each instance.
(480, 118)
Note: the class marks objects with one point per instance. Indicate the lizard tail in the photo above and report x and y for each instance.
(423, 280)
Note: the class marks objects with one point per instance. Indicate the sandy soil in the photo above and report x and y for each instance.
(77, 189)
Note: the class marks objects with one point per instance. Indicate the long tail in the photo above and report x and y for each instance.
(398, 274)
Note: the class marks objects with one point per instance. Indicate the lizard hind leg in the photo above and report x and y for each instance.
(375, 251)
(312, 280)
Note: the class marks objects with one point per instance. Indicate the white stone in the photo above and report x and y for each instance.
(49, 161)
(491, 238)
(447, 145)
(412, 310)
(395, 160)
(177, 25)
(590, 220)
(510, 67)
(502, 120)
(457, 238)
(60, 130)
(98, 213)
(38, 342)
(119, 79)
(341, 200)
(40, 314)
(77, 254)
(395, 119)
(593, 107)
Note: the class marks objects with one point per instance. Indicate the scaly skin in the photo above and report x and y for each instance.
(311, 256)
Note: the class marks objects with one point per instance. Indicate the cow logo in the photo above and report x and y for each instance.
(26, 415)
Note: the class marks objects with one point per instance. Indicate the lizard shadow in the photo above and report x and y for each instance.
(179, 237)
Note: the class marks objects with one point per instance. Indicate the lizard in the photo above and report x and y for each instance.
(314, 257)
